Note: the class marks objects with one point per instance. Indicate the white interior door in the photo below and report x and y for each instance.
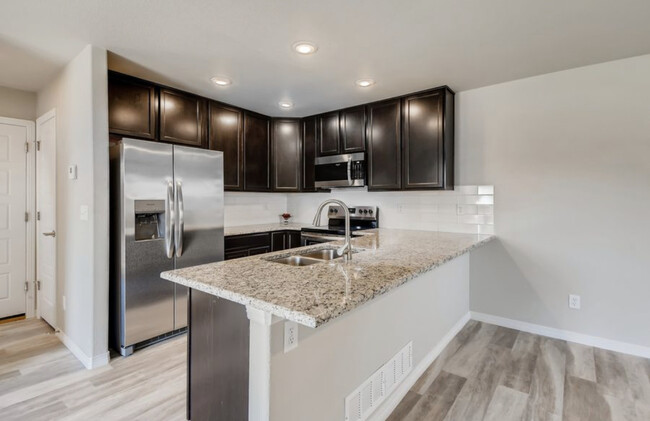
(46, 217)
(13, 225)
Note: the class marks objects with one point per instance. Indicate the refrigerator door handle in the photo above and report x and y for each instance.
(180, 225)
(169, 221)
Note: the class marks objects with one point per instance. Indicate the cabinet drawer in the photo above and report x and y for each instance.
(247, 241)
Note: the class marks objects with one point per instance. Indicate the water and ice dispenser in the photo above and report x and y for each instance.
(149, 220)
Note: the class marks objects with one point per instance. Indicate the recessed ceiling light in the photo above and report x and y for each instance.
(305, 47)
(221, 81)
(364, 83)
(285, 104)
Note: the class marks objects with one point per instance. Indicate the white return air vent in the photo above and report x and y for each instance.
(372, 392)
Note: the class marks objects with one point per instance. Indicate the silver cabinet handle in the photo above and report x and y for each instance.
(180, 222)
(169, 221)
(50, 234)
(350, 171)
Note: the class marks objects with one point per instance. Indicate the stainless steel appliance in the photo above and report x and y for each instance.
(361, 218)
(347, 170)
(167, 213)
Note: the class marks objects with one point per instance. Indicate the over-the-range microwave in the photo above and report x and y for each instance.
(348, 170)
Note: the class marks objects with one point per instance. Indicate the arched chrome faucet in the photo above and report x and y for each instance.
(346, 249)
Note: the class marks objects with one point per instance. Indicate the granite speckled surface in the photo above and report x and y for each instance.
(252, 229)
(313, 295)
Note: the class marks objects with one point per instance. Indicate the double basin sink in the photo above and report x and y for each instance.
(308, 258)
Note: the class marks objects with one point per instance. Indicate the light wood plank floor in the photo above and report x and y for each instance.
(498, 374)
(485, 373)
(41, 380)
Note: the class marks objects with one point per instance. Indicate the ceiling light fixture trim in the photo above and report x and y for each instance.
(305, 47)
(365, 83)
(221, 81)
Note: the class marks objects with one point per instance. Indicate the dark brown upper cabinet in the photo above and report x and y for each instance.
(225, 133)
(182, 118)
(308, 154)
(427, 140)
(132, 107)
(286, 155)
(353, 130)
(257, 152)
(329, 133)
(384, 145)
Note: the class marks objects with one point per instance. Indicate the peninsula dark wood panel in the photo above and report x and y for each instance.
(225, 133)
(328, 134)
(353, 129)
(218, 359)
(257, 152)
(308, 154)
(422, 140)
(183, 118)
(286, 155)
(132, 107)
(384, 146)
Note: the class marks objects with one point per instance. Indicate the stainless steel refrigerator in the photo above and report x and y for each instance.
(166, 213)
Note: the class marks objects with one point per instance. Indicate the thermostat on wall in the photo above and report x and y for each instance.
(72, 172)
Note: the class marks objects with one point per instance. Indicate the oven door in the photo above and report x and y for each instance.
(341, 170)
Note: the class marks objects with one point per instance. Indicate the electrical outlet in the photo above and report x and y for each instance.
(63, 303)
(290, 335)
(574, 301)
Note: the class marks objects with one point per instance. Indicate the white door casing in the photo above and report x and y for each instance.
(46, 221)
(15, 177)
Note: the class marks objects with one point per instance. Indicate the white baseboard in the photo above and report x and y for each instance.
(396, 397)
(88, 362)
(595, 341)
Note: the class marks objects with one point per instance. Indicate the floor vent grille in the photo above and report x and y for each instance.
(372, 392)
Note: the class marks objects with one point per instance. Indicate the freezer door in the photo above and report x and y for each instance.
(198, 183)
(147, 301)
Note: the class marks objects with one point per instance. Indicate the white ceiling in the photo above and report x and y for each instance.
(405, 45)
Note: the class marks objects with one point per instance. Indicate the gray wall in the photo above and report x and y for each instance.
(79, 95)
(15, 103)
(569, 156)
(332, 361)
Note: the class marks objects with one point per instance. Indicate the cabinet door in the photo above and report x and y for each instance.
(278, 241)
(384, 149)
(328, 134)
(353, 130)
(308, 154)
(132, 107)
(225, 134)
(292, 239)
(235, 254)
(286, 155)
(422, 140)
(182, 118)
(257, 153)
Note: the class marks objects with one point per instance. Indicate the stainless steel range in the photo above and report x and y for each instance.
(361, 218)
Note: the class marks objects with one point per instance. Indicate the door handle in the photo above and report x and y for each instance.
(180, 219)
(50, 234)
(350, 171)
(169, 221)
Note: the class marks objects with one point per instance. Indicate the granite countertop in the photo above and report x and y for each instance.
(252, 229)
(313, 295)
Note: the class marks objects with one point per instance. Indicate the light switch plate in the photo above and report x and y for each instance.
(72, 172)
(83, 212)
(290, 335)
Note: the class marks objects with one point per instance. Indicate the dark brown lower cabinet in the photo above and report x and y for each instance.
(218, 355)
(245, 245)
(384, 145)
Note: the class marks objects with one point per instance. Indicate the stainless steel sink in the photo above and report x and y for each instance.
(323, 254)
(296, 261)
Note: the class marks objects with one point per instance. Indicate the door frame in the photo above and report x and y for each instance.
(30, 208)
(48, 115)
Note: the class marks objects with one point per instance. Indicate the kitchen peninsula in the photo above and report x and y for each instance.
(401, 288)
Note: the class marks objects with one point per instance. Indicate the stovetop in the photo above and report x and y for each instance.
(361, 218)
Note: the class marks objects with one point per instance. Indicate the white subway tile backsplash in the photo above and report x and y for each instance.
(467, 209)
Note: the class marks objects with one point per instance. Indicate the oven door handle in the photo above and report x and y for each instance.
(350, 171)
